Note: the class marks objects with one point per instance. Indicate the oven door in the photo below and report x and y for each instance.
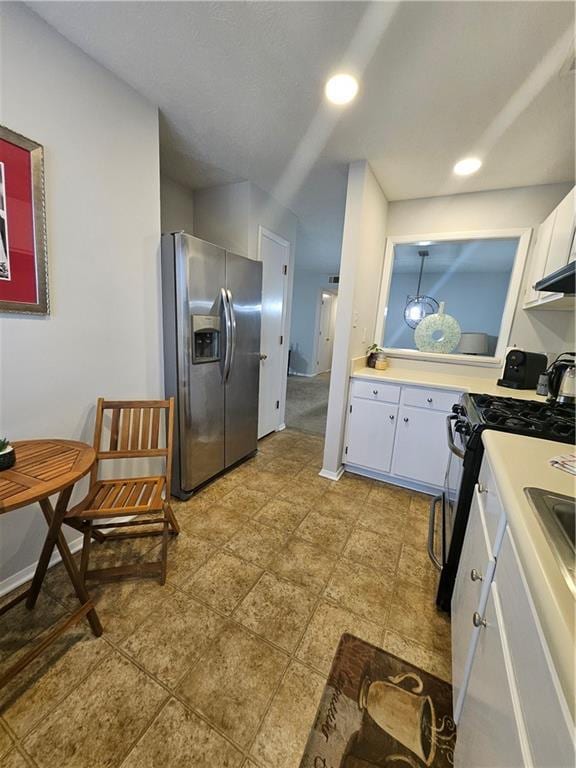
(440, 527)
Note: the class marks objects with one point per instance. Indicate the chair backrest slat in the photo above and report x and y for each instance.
(155, 428)
(145, 434)
(125, 429)
(114, 428)
(135, 430)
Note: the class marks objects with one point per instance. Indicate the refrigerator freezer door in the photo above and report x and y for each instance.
(244, 284)
(200, 277)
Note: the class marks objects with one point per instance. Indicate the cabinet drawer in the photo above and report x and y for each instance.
(376, 390)
(542, 702)
(434, 399)
(492, 508)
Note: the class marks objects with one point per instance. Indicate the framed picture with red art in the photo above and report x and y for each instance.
(23, 251)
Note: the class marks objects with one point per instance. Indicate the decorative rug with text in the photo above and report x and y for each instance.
(379, 710)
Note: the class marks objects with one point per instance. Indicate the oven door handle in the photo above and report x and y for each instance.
(431, 530)
(451, 444)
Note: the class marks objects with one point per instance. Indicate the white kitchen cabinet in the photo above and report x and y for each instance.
(475, 572)
(371, 430)
(403, 443)
(553, 249)
(539, 257)
(491, 731)
(562, 235)
(421, 448)
(544, 710)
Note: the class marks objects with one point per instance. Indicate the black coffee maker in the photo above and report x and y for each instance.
(522, 369)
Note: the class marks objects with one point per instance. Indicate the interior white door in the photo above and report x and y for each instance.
(326, 332)
(274, 254)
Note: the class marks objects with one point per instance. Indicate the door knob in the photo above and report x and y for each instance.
(391, 417)
(475, 575)
(263, 356)
(477, 620)
(429, 400)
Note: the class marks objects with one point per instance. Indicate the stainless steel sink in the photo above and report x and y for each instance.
(557, 515)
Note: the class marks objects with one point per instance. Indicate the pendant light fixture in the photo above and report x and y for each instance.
(420, 306)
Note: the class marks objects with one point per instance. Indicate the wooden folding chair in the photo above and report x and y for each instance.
(135, 433)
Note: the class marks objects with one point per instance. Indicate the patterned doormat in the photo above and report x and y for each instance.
(378, 710)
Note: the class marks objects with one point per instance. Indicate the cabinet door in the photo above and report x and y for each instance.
(539, 256)
(562, 234)
(421, 449)
(475, 572)
(490, 731)
(371, 428)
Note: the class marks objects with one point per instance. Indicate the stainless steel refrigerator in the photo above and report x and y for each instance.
(212, 301)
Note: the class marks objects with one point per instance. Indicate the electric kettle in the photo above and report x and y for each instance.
(561, 379)
(567, 391)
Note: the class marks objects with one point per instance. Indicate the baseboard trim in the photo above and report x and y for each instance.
(411, 485)
(281, 427)
(329, 475)
(21, 577)
(305, 375)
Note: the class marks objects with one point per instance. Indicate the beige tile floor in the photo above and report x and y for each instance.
(225, 665)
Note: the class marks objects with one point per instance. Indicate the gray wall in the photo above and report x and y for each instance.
(176, 206)
(103, 336)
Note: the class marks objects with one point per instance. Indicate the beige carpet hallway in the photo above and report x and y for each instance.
(225, 665)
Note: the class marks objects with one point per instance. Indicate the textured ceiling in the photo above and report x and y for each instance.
(239, 86)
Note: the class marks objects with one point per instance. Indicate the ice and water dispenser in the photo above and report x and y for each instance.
(205, 339)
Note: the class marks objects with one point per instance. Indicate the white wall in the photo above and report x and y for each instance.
(231, 215)
(537, 331)
(103, 336)
(308, 286)
(176, 206)
(361, 263)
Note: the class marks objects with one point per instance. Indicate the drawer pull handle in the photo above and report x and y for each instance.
(482, 488)
(391, 417)
(374, 391)
(475, 575)
(477, 620)
(429, 400)
(406, 419)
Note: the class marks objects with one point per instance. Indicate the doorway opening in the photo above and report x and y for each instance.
(313, 324)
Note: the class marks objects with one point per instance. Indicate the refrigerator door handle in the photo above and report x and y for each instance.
(228, 324)
(233, 329)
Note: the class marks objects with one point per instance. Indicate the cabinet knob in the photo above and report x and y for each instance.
(429, 400)
(406, 419)
(475, 575)
(477, 620)
(391, 417)
(374, 391)
(482, 488)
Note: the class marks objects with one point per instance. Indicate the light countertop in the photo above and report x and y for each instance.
(463, 382)
(554, 601)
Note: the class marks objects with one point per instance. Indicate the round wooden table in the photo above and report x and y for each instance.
(42, 469)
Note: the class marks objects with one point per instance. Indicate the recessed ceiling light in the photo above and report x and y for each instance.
(424, 242)
(341, 89)
(467, 166)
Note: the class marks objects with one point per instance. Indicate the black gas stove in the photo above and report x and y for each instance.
(470, 417)
(508, 414)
